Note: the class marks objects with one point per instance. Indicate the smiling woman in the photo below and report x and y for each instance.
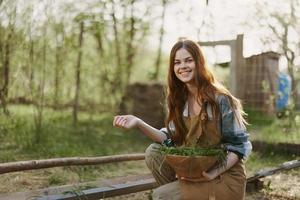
(202, 113)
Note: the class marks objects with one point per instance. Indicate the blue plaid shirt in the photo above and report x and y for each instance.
(234, 137)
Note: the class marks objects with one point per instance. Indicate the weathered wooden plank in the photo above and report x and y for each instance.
(254, 182)
(216, 43)
(65, 189)
(285, 166)
(58, 162)
(104, 192)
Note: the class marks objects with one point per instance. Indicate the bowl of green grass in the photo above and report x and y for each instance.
(190, 162)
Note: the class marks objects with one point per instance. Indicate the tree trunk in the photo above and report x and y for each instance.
(116, 34)
(103, 72)
(77, 75)
(158, 59)
(59, 53)
(6, 70)
(98, 36)
(130, 47)
(6, 66)
(118, 74)
(4, 103)
(286, 23)
(56, 77)
(31, 68)
(41, 94)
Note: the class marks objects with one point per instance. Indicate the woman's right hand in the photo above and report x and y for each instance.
(126, 121)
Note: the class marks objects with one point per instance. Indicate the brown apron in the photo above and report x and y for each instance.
(228, 186)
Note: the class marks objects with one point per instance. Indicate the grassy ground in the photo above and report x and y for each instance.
(273, 130)
(95, 136)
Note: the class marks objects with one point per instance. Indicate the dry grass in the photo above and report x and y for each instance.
(37, 179)
(31, 180)
(286, 184)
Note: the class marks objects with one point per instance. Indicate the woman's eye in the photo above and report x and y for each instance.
(189, 61)
(177, 63)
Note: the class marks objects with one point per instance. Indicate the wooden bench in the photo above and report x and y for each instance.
(122, 185)
(89, 190)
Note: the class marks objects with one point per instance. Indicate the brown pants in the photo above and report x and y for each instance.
(228, 186)
(163, 174)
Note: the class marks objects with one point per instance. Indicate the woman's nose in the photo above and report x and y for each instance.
(183, 65)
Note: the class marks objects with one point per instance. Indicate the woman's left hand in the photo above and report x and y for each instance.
(210, 175)
(206, 176)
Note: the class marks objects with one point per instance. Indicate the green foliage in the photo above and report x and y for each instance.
(192, 151)
(219, 153)
(291, 115)
(273, 130)
(113, 50)
(258, 119)
(94, 136)
(262, 160)
(56, 179)
(278, 131)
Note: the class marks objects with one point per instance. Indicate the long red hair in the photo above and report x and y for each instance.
(208, 87)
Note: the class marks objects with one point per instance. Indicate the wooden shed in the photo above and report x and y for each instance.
(258, 85)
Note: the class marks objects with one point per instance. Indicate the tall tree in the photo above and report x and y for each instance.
(118, 75)
(281, 32)
(59, 53)
(161, 36)
(77, 74)
(130, 47)
(40, 96)
(120, 30)
(6, 43)
(282, 26)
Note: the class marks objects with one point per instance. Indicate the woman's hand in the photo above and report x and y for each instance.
(211, 175)
(206, 176)
(126, 121)
(231, 160)
(130, 121)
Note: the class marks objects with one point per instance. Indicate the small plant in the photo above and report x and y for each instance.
(220, 153)
(193, 151)
(56, 179)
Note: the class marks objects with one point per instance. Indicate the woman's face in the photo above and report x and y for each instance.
(184, 66)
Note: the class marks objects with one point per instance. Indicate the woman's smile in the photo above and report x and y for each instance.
(187, 72)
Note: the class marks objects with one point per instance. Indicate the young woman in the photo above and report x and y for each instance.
(201, 112)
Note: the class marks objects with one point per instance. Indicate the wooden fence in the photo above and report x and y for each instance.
(104, 188)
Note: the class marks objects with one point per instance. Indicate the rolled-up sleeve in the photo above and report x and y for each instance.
(234, 136)
(165, 131)
(171, 128)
